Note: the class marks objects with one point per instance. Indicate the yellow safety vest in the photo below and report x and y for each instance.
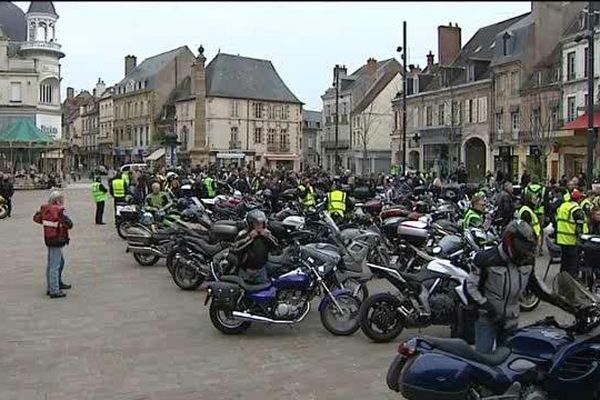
(535, 221)
(566, 226)
(99, 196)
(337, 202)
(118, 187)
(309, 197)
(472, 219)
(540, 191)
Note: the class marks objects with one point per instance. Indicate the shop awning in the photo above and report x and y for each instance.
(581, 123)
(156, 155)
(24, 130)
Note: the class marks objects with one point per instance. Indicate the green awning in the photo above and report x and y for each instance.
(24, 131)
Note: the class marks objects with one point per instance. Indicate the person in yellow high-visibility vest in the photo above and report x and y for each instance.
(527, 213)
(570, 223)
(118, 190)
(99, 192)
(337, 201)
(307, 194)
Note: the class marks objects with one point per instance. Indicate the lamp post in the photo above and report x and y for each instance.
(402, 49)
(336, 80)
(589, 36)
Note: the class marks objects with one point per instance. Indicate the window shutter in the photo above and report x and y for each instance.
(482, 101)
(467, 111)
(447, 114)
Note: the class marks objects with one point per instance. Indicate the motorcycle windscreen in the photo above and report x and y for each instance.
(572, 291)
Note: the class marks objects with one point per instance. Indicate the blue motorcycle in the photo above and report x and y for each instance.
(285, 300)
(543, 361)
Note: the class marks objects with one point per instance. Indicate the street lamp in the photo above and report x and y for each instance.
(336, 81)
(402, 49)
(589, 36)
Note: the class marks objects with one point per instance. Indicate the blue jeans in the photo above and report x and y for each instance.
(54, 268)
(485, 335)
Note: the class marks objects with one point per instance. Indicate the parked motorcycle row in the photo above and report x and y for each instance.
(418, 246)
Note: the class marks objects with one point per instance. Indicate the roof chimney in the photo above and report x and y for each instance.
(430, 60)
(449, 43)
(371, 66)
(70, 93)
(130, 64)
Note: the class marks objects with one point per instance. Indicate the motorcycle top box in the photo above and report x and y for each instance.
(414, 232)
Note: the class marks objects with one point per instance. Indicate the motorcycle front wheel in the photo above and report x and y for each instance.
(186, 276)
(379, 319)
(3, 212)
(342, 322)
(225, 323)
(146, 260)
(528, 301)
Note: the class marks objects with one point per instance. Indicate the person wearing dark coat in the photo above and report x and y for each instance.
(506, 207)
(7, 191)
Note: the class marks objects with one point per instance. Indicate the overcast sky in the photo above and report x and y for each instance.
(304, 40)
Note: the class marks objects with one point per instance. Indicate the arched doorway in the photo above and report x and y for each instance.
(475, 156)
(413, 160)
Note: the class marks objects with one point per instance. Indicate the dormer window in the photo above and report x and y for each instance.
(505, 39)
(470, 72)
(477, 50)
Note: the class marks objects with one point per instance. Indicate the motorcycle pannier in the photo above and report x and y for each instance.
(414, 232)
(225, 295)
(431, 377)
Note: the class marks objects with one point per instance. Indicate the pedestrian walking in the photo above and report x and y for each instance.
(56, 223)
(99, 192)
(7, 191)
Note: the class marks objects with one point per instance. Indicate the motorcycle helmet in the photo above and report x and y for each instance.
(170, 176)
(147, 219)
(256, 218)
(519, 242)
(267, 193)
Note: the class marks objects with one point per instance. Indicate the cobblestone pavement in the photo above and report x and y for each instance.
(127, 332)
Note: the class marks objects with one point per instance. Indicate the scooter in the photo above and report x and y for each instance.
(543, 361)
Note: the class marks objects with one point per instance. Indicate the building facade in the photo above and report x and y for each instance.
(311, 137)
(106, 117)
(30, 63)
(250, 116)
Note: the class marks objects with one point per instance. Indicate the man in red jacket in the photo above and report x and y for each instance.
(56, 225)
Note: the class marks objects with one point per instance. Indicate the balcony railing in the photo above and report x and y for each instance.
(278, 148)
(235, 144)
(330, 144)
(37, 45)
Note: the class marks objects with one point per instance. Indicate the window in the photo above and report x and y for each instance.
(15, 92)
(470, 111)
(571, 111)
(499, 125)
(456, 113)
(45, 94)
(285, 112)
(585, 62)
(396, 120)
(471, 72)
(234, 134)
(147, 135)
(441, 108)
(271, 137)
(234, 108)
(258, 110)
(500, 84)
(514, 122)
(554, 120)
(571, 66)
(344, 108)
(585, 100)
(257, 135)
(284, 140)
(514, 83)
(428, 116)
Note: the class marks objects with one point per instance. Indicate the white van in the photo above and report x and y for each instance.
(129, 167)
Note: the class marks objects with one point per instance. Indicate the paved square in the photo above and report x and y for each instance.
(127, 332)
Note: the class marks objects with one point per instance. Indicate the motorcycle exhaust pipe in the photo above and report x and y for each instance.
(144, 250)
(264, 320)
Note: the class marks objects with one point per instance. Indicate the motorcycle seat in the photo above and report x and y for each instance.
(247, 286)
(462, 349)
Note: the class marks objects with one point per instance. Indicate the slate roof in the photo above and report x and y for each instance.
(12, 19)
(148, 68)
(246, 78)
(313, 116)
(579, 23)
(44, 7)
(391, 69)
(520, 33)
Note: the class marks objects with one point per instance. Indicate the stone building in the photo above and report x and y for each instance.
(365, 117)
(250, 115)
(139, 100)
(106, 117)
(72, 127)
(311, 137)
(30, 58)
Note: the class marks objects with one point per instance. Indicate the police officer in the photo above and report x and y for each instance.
(99, 192)
(570, 223)
(209, 186)
(118, 190)
(307, 194)
(337, 200)
(527, 214)
(474, 216)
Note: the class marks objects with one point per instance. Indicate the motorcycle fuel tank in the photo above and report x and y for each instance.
(539, 342)
(435, 376)
(296, 279)
(414, 232)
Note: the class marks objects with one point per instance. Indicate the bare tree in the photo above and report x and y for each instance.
(539, 132)
(368, 122)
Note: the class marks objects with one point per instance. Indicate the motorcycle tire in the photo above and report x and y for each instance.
(350, 306)
(146, 260)
(528, 302)
(3, 212)
(387, 304)
(122, 229)
(236, 327)
(185, 278)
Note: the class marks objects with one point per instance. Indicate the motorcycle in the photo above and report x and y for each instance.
(285, 300)
(3, 208)
(542, 361)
